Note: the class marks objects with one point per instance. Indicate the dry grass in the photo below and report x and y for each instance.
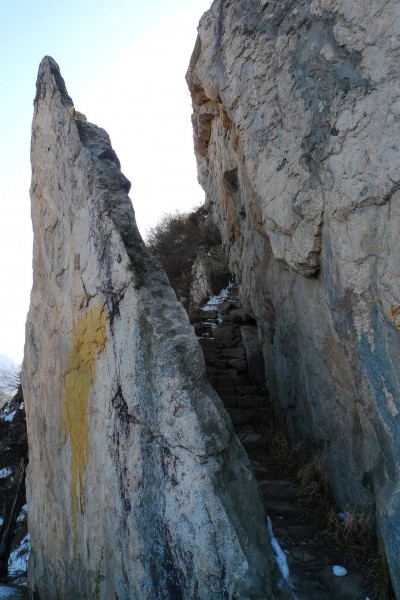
(351, 531)
(278, 448)
(378, 577)
(314, 483)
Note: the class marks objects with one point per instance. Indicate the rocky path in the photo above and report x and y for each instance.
(227, 336)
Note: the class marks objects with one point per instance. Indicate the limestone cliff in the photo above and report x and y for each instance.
(296, 126)
(135, 482)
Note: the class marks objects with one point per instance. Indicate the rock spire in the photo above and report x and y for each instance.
(137, 486)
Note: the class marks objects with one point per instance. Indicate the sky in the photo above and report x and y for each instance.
(124, 65)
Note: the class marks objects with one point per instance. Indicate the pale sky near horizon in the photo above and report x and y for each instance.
(124, 65)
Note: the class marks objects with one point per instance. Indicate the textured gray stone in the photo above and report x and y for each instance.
(210, 276)
(254, 353)
(296, 129)
(135, 483)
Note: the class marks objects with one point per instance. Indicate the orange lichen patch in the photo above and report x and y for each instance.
(88, 340)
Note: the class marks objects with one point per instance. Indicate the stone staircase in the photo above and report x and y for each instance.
(227, 337)
(220, 335)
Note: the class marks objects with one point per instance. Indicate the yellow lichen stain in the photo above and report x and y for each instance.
(88, 340)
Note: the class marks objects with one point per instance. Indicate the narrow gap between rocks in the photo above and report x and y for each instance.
(235, 369)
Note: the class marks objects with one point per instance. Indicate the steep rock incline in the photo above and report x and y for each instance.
(135, 477)
(296, 125)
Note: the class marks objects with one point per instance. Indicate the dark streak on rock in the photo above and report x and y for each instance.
(168, 463)
(122, 430)
(121, 408)
(166, 577)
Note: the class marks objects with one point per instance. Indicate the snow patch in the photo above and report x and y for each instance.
(6, 472)
(339, 571)
(10, 416)
(17, 562)
(280, 556)
(218, 299)
(23, 513)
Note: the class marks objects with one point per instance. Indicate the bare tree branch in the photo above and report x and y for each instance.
(10, 379)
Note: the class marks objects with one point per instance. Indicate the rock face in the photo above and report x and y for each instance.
(135, 482)
(296, 125)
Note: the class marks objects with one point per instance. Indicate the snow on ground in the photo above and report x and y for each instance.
(212, 306)
(213, 302)
(280, 556)
(6, 472)
(339, 571)
(7, 413)
(10, 416)
(19, 557)
(23, 513)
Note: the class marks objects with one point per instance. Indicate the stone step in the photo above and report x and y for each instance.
(212, 355)
(251, 401)
(246, 416)
(239, 317)
(282, 509)
(237, 363)
(249, 438)
(229, 400)
(246, 390)
(206, 315)
(231, 380)
(233, 352)
(217, 363)
(209, 345)
(279, 488)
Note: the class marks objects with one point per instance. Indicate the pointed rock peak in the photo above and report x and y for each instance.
(136, 479)
(49, 77)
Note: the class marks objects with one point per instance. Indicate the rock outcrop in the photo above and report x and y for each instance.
(296, 125)
(135, 481)
(210, 275)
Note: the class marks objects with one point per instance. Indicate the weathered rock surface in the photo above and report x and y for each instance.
(210, 275)
(136, 479)
(296, 125)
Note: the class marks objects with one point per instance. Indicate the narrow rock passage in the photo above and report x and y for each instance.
(224, 330)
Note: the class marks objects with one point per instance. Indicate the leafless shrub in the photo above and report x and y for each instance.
(10, 379)
(176, 240)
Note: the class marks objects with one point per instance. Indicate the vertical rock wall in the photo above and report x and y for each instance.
(136, 481)
(296, 128)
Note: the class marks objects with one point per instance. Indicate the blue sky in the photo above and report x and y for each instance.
(124, 64)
